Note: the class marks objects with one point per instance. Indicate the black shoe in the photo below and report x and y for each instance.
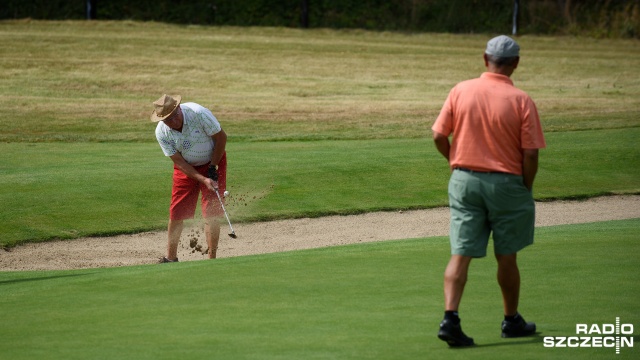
(517, 328)
(452, 334)
(165, 260)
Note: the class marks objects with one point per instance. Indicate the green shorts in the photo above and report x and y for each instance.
(485, 203)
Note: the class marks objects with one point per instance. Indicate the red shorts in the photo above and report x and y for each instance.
(184, 195)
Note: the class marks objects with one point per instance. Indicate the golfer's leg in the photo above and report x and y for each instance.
(509, 280)
(212, 232)
(455, 278)
(175, 230)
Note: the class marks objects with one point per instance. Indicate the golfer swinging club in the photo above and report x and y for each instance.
(494, 159)
(194, 140)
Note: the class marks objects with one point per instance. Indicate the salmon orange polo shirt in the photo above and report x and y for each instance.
(492, 122)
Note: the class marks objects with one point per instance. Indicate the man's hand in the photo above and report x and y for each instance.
(529, 167)
(442, 144)
(210, 184)
(213, 172)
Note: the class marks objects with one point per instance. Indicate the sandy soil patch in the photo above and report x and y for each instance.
(287, 235)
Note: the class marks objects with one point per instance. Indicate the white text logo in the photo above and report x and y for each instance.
(595, 336)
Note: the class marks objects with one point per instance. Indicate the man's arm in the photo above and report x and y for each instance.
(442, 144)
(220, 139)
(191, 172)
(529, 167)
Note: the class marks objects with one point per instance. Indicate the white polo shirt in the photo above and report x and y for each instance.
(194, 143)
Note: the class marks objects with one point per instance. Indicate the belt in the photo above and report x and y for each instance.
(198, 166)
(481, 172)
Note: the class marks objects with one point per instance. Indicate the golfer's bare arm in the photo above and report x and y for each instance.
(190, 171)
(220, 139)
(529, 167)
(442, 144)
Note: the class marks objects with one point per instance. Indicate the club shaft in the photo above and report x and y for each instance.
(225, 211)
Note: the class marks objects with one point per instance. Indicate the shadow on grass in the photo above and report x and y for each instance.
(14, 281)
(534, 339)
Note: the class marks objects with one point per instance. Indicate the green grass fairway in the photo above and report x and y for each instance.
(369, 301)
(94, 189)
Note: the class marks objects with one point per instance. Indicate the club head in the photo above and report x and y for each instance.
(233, 235)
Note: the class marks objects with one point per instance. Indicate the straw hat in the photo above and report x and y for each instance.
(164, 107)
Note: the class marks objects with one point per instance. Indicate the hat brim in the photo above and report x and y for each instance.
(156, 118)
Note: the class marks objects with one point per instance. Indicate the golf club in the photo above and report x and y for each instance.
(232, 234)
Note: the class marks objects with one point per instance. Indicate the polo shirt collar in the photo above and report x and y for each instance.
(496, 77)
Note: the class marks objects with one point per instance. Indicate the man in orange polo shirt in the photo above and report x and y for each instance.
(493, 155)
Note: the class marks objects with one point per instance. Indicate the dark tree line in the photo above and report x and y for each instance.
(616, 18)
